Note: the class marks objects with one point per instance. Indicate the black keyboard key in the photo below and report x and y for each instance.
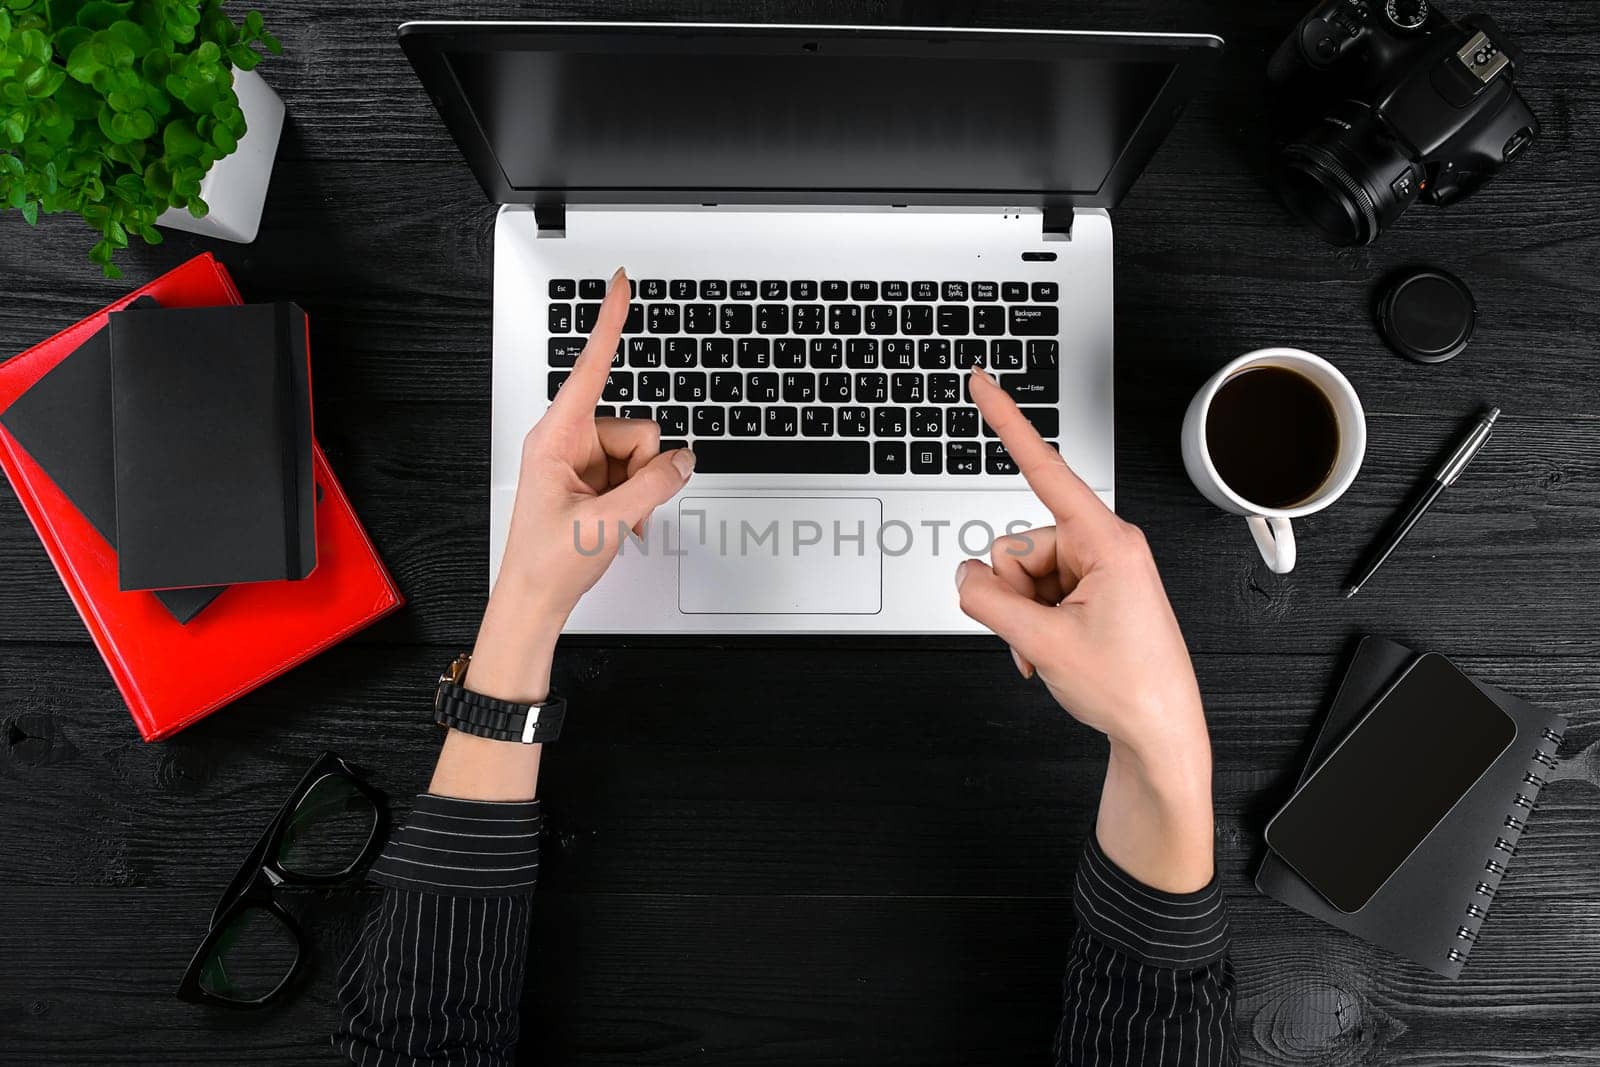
(944, 388)
(969, 354)
(619, 387)
(916, 320)
(586, 316)
(889, 457)
(927, 457)
(634, 323)
(863, 291)
(1032, 321)
(682, 289)
(782, 457)
(560, 318)
(809, 319)
(632, 411)
(924, 291)
(963, 457)
(782, 421)
(844, 319)
(854, 422)
(564, 351)
(985, 292)
(961, 422)
(880, 319)
(689, 387)
(744, 421)
(1046, 420)
(827, 353)
(592, 289)
(1033, 387)
(1012, 292)
(710, 421)
(835, 290)
(681, 351)
(605, 411)
(715, 289)
(663, 318)
(788, 353)
(761, 387)
(898, 354)
(803, 290)
(774, 290)
(668, 445)
(674, 422)
(834, 388)
(727, 387)
(934, 355)
(1046, 292)
(816, 422)
(772, 318)
(988, 321)
(889, 422)
(896, 290)
(736, 318)
(743, 289)
(654, 387)
(557, 377)
(799, 387)
(1043, 355)
(563, 289)
(907, 389)
(699, 318)
(955, 290)
(996, 460)
(716, 353)
(644, 351)
(653, 289)
(1005, 355)
(755, 353)
(954, 320)
(861, 353)
(927, 422)
(872, 388)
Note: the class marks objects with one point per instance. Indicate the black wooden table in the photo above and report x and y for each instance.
(815, 851)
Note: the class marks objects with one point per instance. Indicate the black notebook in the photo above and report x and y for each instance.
(212, 425)
(1431, 910)
(64, 421)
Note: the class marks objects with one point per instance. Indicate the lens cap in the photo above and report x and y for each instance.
(1427, 315)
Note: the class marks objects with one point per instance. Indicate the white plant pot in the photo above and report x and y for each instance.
(236, 188)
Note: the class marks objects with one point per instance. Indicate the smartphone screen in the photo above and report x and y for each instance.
(1398, 772)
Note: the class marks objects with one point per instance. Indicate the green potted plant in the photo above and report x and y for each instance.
(133, 114)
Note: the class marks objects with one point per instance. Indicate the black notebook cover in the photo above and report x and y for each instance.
(1433, 907)
(212, 424)
(64, 422)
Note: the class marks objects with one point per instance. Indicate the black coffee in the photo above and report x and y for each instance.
(1273, 436)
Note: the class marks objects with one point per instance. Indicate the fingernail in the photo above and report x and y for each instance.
(619, 278)
(1022, 668)
(961, 574)
(979, 372)
(683, 459)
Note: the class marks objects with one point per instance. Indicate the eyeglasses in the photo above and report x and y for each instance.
(330, 828)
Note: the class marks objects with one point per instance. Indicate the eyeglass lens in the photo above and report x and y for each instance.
(328, 829)
(251, 958)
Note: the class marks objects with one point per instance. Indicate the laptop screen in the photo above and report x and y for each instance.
(791, 112)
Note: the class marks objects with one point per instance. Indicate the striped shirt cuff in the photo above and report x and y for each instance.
(465, 848)
(1178, 930)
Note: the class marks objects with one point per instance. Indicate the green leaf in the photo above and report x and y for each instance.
(5, 24)
(224, 139)
(84, 63)
(208, 52)
(11, 164)
(30, 212)
(198, 208)
(273, 44)
(151, 235)
(99, 14)
(19, 196)
(254, 22)
(243, 57)
(180, 139)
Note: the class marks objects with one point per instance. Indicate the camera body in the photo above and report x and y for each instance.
(1380, 103)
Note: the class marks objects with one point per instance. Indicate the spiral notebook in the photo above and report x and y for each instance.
(1433, 908)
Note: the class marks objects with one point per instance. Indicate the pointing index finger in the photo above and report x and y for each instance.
(583, 389)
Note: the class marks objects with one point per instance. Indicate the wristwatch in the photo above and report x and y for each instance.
(459, 708)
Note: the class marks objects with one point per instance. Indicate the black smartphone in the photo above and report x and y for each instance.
(1393, 778)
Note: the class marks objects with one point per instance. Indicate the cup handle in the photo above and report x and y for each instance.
(1275, 538)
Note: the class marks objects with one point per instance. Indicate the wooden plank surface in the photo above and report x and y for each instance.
(872, 866)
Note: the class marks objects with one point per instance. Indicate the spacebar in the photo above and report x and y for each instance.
(782, 457)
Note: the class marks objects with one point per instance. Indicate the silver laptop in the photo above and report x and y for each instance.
(826, 227)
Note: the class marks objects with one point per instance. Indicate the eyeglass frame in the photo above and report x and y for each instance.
(259, 877)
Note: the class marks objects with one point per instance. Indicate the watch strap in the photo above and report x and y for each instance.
(459, 708)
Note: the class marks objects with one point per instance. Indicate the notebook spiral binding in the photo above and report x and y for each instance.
(1505, 843)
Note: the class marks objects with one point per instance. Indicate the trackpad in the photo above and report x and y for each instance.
(780, 556)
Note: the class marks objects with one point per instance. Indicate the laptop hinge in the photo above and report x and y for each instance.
(1057, 225)
(550, 219)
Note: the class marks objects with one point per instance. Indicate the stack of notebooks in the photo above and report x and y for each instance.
(163, 450)
(1481, 769)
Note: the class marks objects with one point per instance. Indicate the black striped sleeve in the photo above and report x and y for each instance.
(1148, 977)
(465, 847)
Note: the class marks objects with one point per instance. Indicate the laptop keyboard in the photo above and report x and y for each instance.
(821, 377)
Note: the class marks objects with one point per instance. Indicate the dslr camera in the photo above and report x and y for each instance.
(1380, 103)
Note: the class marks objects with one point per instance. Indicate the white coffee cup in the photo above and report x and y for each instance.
(1271, 527)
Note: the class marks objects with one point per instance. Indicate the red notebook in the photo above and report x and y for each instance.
(172, 674)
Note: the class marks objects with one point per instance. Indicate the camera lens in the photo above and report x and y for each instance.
(1349, 177)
